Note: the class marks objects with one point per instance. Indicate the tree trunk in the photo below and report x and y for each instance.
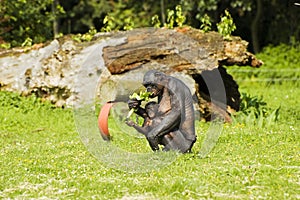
(55, 20)
(255, 26)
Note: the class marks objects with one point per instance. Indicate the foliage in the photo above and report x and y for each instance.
(82, 15)
(180, 18)
(174, 18)
(25, 20)
(254, 112)
(123, 17)
(143, 96)
(27, 42)
(206, 23)
(253, 104)
(170, 19)
(34, 19)
(87, 37)
(287, 56)
(155, 21)
(284, 67)
(226, 26)
(15, 103)
(112, 24)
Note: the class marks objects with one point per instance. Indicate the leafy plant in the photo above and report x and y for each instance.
(142, 96)
(109, 23)
(129, 24)
(252, 104)
(180, 18)
(170, 19)
(254, 111)
(23, 20)
(155, 21)
(206, 23)
(27, 42)
(122, 17)
(85, 37)
(226, 26)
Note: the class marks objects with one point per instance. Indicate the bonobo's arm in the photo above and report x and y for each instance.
(133, 103)
(140, 129)
(170, 120)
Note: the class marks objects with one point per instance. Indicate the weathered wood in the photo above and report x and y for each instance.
(62, 70)
(188, 51)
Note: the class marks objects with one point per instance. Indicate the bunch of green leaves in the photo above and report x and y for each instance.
(112, 24)
(141, 96)
(170, 19)
(122, 17)
(180, 18)
(155, 21)
(206, 23)
(226, 26)
(87, 37)
(175, 18)
(253, 104)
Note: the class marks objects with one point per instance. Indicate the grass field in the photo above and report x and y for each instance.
(43, 157)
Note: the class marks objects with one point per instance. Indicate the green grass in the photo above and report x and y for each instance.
(43, 157)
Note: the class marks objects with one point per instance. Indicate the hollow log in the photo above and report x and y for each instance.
(59, 70)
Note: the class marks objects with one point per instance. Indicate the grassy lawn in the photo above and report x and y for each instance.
(43, 157)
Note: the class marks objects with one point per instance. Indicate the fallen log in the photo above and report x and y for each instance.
(61, 70)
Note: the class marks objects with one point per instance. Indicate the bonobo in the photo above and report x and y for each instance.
(151, 119)
(176, 130)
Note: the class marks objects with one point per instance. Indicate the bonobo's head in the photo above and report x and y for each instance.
(151, 109)
(154, 81)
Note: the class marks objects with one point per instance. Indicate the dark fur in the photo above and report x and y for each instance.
(176, 127)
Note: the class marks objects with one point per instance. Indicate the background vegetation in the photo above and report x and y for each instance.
(256, 157)
(261, 22)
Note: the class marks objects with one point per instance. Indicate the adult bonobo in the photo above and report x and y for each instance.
(175, 105)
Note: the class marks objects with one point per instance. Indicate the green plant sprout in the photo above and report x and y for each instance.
(170, 19)
(180, 18)
(155, 21)
(206, 23)
(226, 26)
(142, 96)
(109, 23)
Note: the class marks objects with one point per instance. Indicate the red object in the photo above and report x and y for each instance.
(103, 120)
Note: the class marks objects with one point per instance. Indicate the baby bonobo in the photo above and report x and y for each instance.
(152, 119)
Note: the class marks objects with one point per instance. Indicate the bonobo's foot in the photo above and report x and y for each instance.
(153, 144)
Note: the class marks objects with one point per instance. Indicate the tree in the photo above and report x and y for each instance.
(26, 20)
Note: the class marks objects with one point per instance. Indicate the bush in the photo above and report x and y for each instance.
(254, 111)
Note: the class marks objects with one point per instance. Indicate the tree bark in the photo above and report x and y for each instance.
(255, 26)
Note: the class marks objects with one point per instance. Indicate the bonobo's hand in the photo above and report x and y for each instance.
(130, 123)
(133, 103)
